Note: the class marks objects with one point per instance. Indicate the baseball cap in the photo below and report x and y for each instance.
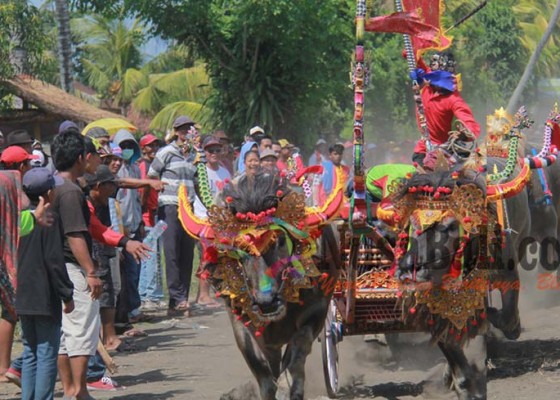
(38, 181)
(148, 139)
(19, 137)
(211, 141)
(116, 150)
(97, 132)
(15, 154)
(283, 143)
(182, 120)
(268, 153)
(320, 141)
(102, 175)
(67, 125)
(255, 129)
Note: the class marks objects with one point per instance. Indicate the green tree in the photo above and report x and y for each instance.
(278, 63)
(23, 43)
(170, 94)
(491, 55)
(109, 53)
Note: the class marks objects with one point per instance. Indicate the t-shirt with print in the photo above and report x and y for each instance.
(70, 204)
(216, 179)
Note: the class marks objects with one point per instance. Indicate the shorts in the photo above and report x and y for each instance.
(7, 316)
(107, 298)
(80, 328)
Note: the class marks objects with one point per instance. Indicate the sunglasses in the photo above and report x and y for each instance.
(214, 150)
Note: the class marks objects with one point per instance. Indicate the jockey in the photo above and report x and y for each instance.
(442, 102)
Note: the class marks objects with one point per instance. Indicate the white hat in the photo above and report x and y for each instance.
(255, 129)
(320, 141)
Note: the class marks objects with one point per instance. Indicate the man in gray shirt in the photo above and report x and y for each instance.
(173, 166)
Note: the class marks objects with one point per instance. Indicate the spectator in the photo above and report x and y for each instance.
(332, 171)
(10, 204)
(276, 148)
(254, 132)
(68, 125)
(171, 166)
(20, 138)
(218, 176)
(17, 159)
(80, 328)
(319, 154)
(43, 285)
(268, 160)
(101, 136)
(150, 285)
(246, 148)
(227, 156)
(265, 142)
(286, 164)
(131, 207)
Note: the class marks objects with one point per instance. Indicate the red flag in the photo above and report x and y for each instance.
(406, 23)
(429, 12)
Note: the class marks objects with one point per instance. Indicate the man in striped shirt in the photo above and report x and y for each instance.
(173, 166)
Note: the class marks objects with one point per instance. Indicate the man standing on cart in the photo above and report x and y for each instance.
(442, 102)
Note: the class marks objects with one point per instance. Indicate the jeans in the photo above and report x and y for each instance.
(150, 287)
(132, 275)
(41, 340)
(96, 368)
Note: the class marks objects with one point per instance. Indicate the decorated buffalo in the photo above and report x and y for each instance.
(265, 252)
(460, 237)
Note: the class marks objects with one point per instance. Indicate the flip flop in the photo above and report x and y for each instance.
(211, 306)
(135, 333)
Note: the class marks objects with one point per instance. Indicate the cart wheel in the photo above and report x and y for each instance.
(330, 337)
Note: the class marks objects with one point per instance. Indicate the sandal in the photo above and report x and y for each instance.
(140, 318)
(212, 305)
(182, 306)
(135, 333)
(124, 347)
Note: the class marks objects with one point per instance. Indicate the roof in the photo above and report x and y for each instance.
(54, 100)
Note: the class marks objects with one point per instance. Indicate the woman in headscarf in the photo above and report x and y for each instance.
(247, 147)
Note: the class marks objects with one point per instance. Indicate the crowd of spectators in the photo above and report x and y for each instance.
(90, 267)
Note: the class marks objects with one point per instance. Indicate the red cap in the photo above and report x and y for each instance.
(148, 139)
(16, 154)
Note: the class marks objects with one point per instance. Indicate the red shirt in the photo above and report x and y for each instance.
(100, 232)
(440, 108)
(283, 166)
(151, 205)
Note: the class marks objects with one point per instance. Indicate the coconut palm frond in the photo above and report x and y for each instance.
(133, 80)
(189, 83)
(147, 100)
(164, 119)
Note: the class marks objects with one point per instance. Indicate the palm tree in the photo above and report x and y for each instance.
(171, 94)
(111, 57)
(514, 100)
(64, 44)
(534, 18)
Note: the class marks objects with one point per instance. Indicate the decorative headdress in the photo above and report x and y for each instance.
(230, 236)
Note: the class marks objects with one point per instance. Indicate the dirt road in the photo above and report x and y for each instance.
(196, 358)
